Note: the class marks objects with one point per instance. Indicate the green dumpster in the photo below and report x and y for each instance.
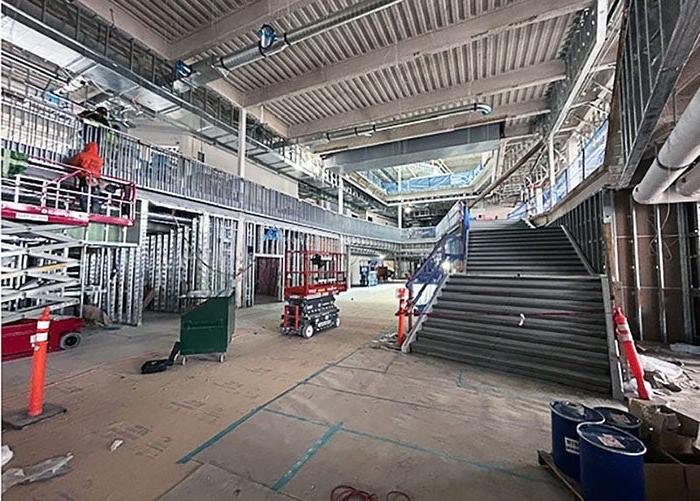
(208, 327)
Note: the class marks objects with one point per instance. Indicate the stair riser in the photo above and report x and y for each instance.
(521, 292)
(595, 344)
(561, 356)
(511, 316)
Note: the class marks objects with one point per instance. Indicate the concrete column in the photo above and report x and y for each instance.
(341, 188)
(400, 213)
(552, 169)
(241, 142)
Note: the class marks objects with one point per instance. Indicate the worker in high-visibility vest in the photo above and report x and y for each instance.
(90, 164)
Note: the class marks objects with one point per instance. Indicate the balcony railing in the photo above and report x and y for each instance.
(45, 131)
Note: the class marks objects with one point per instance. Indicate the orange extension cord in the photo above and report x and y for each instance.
(349, 493)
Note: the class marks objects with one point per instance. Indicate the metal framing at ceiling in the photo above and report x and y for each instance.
(659, 38)
(125, 66)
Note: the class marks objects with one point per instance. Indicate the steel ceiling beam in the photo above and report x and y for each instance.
(539, 74)
(515, 15)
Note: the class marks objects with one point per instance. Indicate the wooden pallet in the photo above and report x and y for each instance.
(546, 459)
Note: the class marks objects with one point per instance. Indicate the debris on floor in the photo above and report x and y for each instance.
(115, 445)
(44, 470)
(664, 375)
(685, 348)
(7, 454)
(388, 338)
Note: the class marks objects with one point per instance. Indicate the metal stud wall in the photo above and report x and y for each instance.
(111, 278)
(650, 254)
(585, 224)
(660, 36)
(190, 261)
(267, 241)
(42, 130)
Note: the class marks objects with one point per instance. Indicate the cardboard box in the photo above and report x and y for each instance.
(665, 429)
(668, 479)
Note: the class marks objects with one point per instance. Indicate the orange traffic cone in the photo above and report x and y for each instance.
(36, 410)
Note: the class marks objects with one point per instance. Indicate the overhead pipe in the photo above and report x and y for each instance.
(212, 68)
(370, 130)
(676, 156)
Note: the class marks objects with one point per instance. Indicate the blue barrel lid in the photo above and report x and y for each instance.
(611, 439)
(576, 412)
(619, 418)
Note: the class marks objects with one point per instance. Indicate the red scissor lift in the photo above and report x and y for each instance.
(45, 195)
(312, 279)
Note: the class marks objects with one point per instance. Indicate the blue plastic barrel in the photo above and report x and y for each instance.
(566, 416)
(621, 420)
(612, 464)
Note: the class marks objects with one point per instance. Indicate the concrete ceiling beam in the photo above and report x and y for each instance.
(539, 74)
(239, 22)
(518, 110)
(515, 15)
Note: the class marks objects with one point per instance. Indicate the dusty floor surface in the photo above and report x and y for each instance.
(283, 417)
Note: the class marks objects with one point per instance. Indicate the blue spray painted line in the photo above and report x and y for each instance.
(311, 452)
(187, 457)
(299, 418)
(238, 422)
(418, 448)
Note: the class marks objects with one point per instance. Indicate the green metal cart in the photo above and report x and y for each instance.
(208, 327)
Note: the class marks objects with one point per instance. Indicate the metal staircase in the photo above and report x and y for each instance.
(526, 305)
(519, 249)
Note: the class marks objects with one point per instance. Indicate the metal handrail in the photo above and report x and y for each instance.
(433, 269)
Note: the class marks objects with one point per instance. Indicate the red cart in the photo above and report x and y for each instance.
(64, 334)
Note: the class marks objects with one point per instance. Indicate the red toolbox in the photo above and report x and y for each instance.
(64, 334)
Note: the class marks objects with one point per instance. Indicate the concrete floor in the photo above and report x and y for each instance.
(283, 417)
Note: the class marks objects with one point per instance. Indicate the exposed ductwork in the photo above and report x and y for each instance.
(677, 155)
(215, 67)
(370, 130)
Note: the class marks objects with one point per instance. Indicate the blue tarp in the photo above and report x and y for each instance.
(560, 190)
(575, 172)
(426, 183)
(433, 182)
(589, 159)
(594, 150)
(518, 212)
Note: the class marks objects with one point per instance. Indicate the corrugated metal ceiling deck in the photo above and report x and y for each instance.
(480, 58)
(175, 19)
